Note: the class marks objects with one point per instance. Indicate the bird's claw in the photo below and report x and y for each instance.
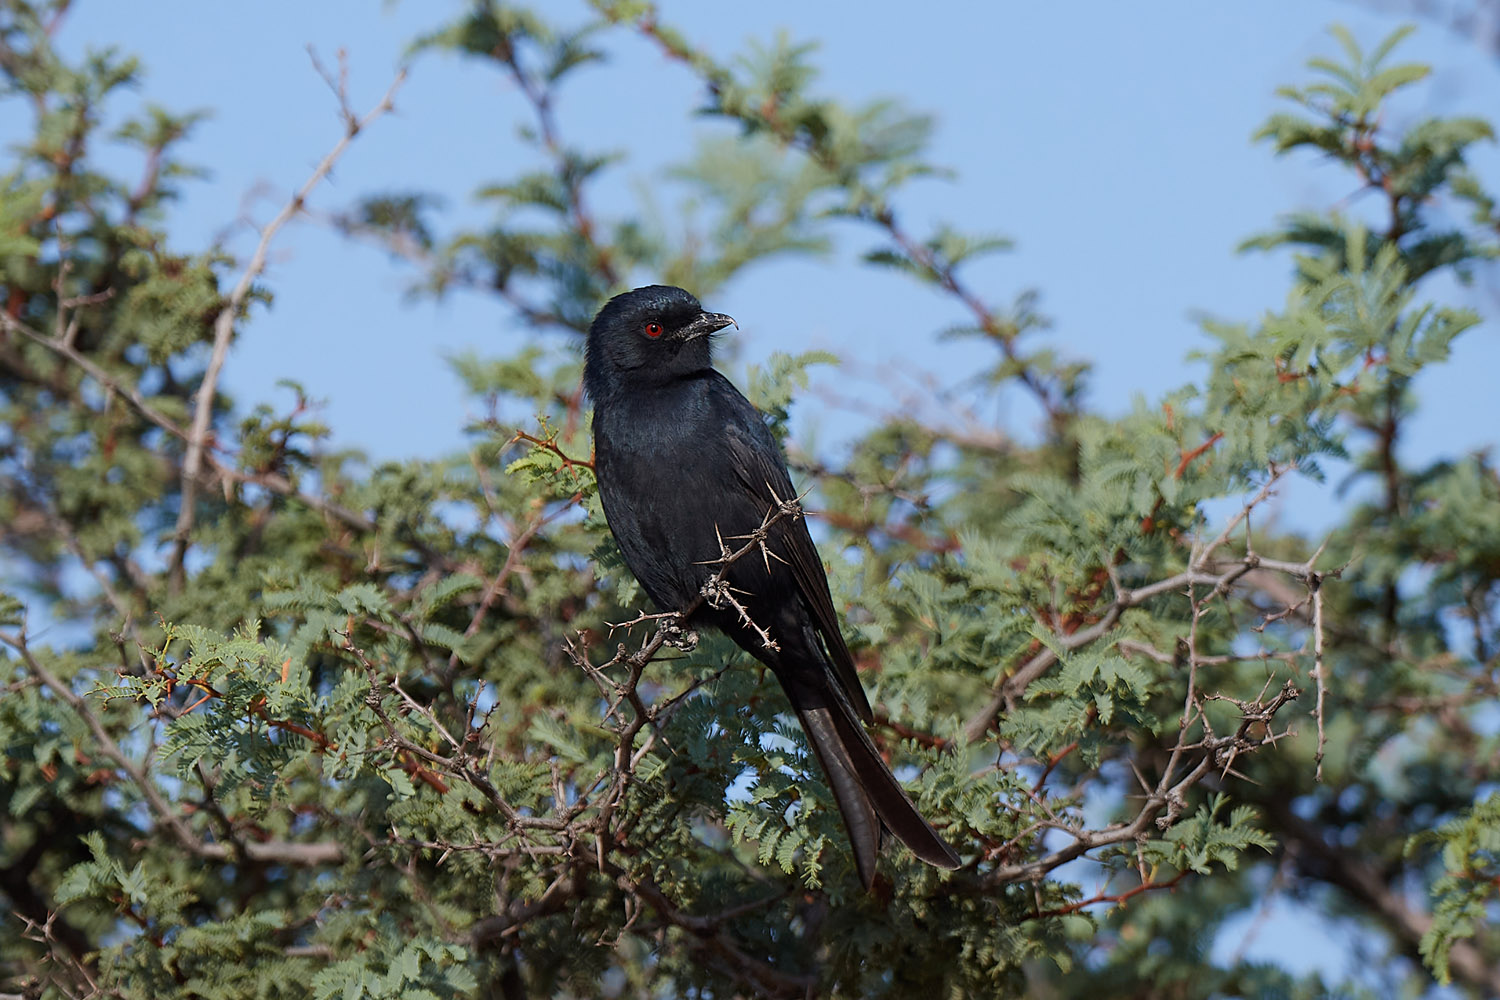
(681, 638)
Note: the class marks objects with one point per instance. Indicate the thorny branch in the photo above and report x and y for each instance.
(577, 840)
(669, 626)
(718, 593)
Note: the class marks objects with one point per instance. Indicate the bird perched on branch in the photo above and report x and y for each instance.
(688, 471)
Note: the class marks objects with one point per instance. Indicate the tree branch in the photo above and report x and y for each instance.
(224, 324)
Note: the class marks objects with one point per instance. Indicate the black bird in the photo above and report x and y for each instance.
(686, 464)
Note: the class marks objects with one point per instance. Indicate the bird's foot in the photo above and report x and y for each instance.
(685, 639)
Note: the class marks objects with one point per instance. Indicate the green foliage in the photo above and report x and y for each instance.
(1341, 118)
(773, 387)
(341, 730)
(1199, 842)
(1467, 890)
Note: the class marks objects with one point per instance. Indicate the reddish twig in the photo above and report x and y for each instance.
(1188, 456)
(550, 444)
(1117, 898)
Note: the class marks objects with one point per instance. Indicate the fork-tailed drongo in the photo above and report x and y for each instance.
(685, 461)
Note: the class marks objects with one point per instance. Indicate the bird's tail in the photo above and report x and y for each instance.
(868, 795)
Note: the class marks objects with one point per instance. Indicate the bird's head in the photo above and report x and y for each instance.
(647, 337)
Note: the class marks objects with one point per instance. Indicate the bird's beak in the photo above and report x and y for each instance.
(704, 324)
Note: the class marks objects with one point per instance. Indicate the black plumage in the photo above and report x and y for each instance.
(685, 461)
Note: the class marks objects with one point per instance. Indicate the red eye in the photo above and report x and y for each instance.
(653, 330)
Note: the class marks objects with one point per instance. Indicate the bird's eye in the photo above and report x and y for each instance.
(653, 330)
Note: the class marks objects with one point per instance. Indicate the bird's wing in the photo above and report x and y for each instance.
(758, 464)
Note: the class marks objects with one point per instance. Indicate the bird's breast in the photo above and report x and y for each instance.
(660, 470)
(656, 427)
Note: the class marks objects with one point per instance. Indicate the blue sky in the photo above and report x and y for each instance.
(1110, 141)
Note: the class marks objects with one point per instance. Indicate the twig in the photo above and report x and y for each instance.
(1117, 898)
(1318, 674)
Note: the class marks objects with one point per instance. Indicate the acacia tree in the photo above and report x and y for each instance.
(302, 725)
